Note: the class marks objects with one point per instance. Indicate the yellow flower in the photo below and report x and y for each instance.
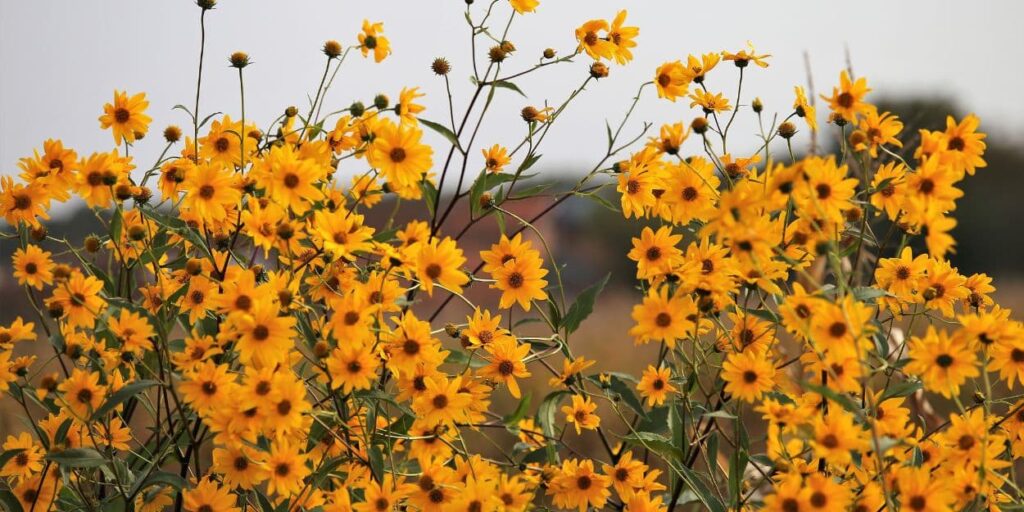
(399, 155)
(577, 485)
(621, 38)
(211, 191)
(133, 331)
(223, 143)
(581, 413)
(208, 496)
(442, 401)
(697, 69)
(804, 109)
(23, 203)
(352, 367)
(593, 42)
(837, 437)
(710, 103)
(943, 362)
(847, 100)
(406, 109)
(670, 80)
(663, 318)
(964, 143)
(496, 158)
(290, 179)
(524, 6)
(207, 387)
(655, 252)
(438, 262)
(82, 392)
(748, 375)
(742, 58)
(506, 363)
(287, 465)
(655, 385)
(126, 117)
(27, 462)
(521, 280)
(372, 39)
(80, 300)
(33, 267)
(264, 338)
(878, 130)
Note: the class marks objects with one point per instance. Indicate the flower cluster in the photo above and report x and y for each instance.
(247, 336)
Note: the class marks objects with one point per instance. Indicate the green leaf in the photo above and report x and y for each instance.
(528, 162)
(618, 388)
(484, 182)
(77, 458)
(701, 489)
(866, 293)
(831, 395)
(122, 395)
(8, 455)
(905, 388)
(444, 131)
(601, 201)
(430, 195)
(504, 84)
(657, 443)
(524, 405)
(583, 306)
(159, 478)
(546, 419)
(11, 504)
(376, 457)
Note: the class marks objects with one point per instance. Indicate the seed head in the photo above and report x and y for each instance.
(787, 130)
(332, 49)
(92, 244)
(172, 134)
(440, 66)
(497, 54)
(529, 114)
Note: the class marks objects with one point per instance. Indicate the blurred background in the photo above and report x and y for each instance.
(62, 59)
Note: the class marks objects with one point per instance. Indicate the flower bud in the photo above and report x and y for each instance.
(699, 125)
(529, 114)
(357, 109)
(206, 5)
(39, 233)
(123, 191)
(194, 266)
(142, 195)
(137, 232)
(291, 111)
(239, 60)
(549, 53)
(598, 69)
(381, 101)
(757, 105)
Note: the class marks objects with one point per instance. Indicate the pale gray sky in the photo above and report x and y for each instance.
(62, 59)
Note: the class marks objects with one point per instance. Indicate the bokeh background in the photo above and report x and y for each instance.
(61, 60)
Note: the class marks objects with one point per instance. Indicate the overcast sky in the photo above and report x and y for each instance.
(62, 59)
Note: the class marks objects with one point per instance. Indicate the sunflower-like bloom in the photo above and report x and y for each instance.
(126, 117)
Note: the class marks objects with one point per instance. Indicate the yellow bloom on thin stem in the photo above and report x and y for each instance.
(593, 40)
(743, 57)
(581, 413)
(524, 6)
(495, 158)
(847, 100)
(671, 81)
(507, 363)
(748, 375)
(440, 262)
(126, 117)
(372, 39)
(655, 386)
(33, 267)
(622, 38)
